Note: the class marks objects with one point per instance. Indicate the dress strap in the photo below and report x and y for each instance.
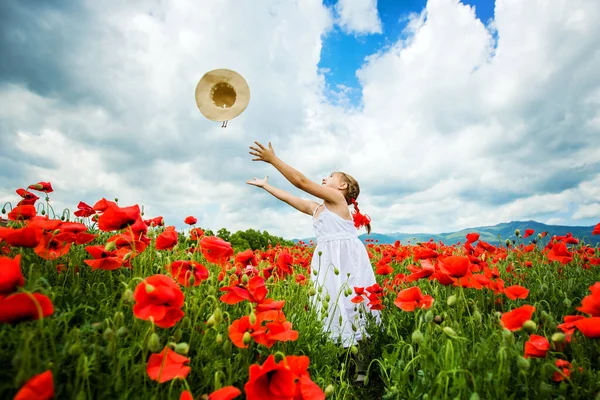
(315, 210)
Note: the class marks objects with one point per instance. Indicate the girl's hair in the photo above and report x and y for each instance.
(351, 194)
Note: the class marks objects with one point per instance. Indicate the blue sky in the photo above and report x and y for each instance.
(453, 124)
(343, 54)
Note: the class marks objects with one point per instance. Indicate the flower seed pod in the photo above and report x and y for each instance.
(558, 337)
(149, 288)
(450, 332)
(523, 363)
(529, 326)
(329, 391)
(417, 337)
(122, 332)
(108, 335)
(517, 232)
(451, 301)
(246, 338)
(219, 338)
(110, 246)
(245, 279)
(429, 316)
(182, 348)
(154, 342)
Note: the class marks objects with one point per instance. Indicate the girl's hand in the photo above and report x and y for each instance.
(259, 182)
(262, 153)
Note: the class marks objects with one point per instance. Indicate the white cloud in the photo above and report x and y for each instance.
(358, 16)
(457, 129)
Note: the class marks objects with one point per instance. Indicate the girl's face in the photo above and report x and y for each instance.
(334, 181)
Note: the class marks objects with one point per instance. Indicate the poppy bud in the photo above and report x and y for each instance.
(451, 300)
(567, 302)
(325, 305)
(245, 279)
(149, 288)
(429, 316)
(218, 315)
(154, 343)
(340, 320)
(252, 318)
(4, 211)
(336, 271)
(320, 289)
(312, 291)
(122, 332)
(474, 396)
(182, 348)
(477, 316)
(315, 272)
(119, 318)
(558, 337)
(540, 236)
(192, 280)
(111, 348)
(508, 336)
(246, 338)
(116, 200)
(529, 326)
(327, 297)
(354, 328)
(75, 349)
(219, 338)
(517, 233)
(178, 334)
(320, 253)
(523, 363)
(507, 242)
(110, 246)
(417, 337)
(450, 332)
(329, 390)
(354, 349)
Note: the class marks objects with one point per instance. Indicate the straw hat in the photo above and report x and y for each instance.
(222, 94)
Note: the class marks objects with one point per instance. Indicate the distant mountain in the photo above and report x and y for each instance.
(492, 234)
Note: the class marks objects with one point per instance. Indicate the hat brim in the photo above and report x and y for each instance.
(205, 102)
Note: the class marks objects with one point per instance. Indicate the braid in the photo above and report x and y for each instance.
(351, 194)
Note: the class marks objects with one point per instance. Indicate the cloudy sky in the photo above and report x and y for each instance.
(449, 114)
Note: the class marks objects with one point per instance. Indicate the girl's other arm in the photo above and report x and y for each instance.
(302, 205)
(295, 177)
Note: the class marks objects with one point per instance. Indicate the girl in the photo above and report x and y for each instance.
(340, 258)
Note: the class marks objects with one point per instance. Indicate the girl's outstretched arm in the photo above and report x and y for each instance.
(295, 177)
(302, 205)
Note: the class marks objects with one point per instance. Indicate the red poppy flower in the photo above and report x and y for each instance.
(528, 232)
(50, 248)
(455, 266)
(84, 210)
(513, 320)
(472, 237)
(42, 187)
(106, 260)
(516, 292)
(28, 198)
(384, 269)
(427, 269)
(596, 230)
(591, 304)
(167, 240)
(167, 365)
(186, 395)
(24, 307)
(270, 305)
(239, 327)
(22, 212)
(182, 271)
(156, 221)
(22, 237)
(160, 298)
(412, 298)
(536, 346)
(190, 220)
(560, 253)
(284, 264)
(226, 393)
(245, 258)
(216, 250)
(255, 292)
(196, 233)
(590, 327)
(115, 218)
(38, 387)
(289, 379)
(11, 276)
(565, 367)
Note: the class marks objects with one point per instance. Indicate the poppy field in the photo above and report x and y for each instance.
(102, 302)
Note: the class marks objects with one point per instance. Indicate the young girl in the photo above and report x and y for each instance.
(340, 258)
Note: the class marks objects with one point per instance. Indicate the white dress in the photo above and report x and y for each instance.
(340, 249)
